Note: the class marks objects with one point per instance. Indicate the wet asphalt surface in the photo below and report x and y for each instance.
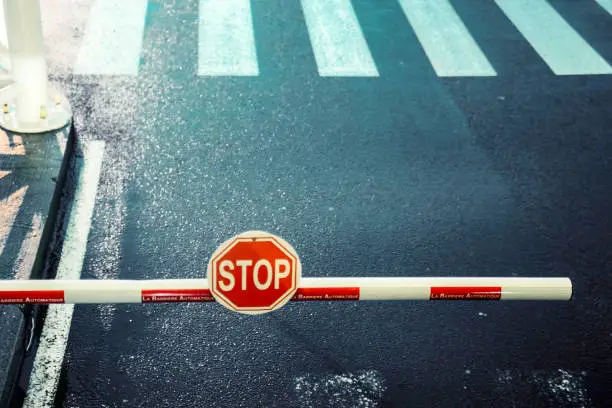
(408, 174)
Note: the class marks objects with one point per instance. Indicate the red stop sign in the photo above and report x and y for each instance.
(254, 272)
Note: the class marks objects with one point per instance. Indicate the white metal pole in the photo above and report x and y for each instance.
(310, 289)
(26, 51)
(27, 102)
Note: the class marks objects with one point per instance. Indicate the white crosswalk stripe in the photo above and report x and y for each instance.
(227, 44)
(226, 39)
(559, 45)
(113, 38)
(448, 44)
(337, 41)
(606, 5)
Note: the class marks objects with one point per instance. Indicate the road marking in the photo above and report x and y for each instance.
(362, 389)
(447, 42)
(108, 251)
(52, 345)
(9, 208)
(559, 45)
(113, 38)
(226, 42)
(606, 5)
(339, 46)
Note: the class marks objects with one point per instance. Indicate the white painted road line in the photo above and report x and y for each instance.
(559, 45)
(339, 46)
(606, 5)
(447, 42)
(54, 337)
(226, 39)
(75, 238)
(113, 38)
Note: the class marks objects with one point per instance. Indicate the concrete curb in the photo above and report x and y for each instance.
(13, 391)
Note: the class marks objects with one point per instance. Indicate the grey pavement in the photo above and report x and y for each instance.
(30, 168)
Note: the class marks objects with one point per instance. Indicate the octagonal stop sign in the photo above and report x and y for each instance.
(254, 272)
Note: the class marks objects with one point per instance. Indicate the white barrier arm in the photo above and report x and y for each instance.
(310, 289)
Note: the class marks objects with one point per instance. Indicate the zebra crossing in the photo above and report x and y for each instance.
(606, 5)
(562, 48)
(113, 39)
(447, 42)
(227, 40)
(339, 46)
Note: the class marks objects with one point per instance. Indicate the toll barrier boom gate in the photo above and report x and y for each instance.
(257, 272)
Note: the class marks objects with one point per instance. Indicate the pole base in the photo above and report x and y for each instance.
(55, 115)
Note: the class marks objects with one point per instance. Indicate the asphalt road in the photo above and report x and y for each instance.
(404, 174)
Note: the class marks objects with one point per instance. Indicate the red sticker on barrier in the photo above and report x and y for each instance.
(323, 294)
(31, 296)
(465, 293)
(176, 295)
